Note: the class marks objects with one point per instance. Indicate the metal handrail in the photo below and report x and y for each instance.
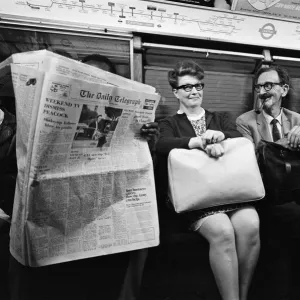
(202, 50)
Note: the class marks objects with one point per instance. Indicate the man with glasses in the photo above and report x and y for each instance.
(280, 224)
(274, 123)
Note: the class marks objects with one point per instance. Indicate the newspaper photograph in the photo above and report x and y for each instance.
(85, 185)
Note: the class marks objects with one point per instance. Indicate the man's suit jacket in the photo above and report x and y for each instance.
(254, 126)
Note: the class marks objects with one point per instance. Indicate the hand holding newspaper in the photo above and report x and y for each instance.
(85, 185)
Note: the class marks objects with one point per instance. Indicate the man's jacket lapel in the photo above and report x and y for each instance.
(286, 124)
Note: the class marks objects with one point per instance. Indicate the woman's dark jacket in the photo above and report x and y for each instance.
(176, 132)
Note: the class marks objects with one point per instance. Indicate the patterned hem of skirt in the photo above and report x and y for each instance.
(197, 216)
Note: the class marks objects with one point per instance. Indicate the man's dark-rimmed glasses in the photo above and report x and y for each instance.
(268, 86)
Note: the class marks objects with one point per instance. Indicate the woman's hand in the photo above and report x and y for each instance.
(196, 142)
(214, 150)
(212, 136)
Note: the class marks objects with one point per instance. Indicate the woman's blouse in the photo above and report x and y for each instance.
(198, 122)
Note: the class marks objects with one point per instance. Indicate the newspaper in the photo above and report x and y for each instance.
(85, 184)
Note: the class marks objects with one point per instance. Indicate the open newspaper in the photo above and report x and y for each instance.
(85, 185)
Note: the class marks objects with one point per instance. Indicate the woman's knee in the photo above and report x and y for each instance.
(218, 230)
(246, 223)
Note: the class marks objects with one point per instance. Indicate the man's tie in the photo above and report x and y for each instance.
(275, 130)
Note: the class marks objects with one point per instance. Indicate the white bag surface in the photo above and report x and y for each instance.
(197, 181)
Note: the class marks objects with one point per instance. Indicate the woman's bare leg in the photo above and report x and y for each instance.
(218, 230)
(246, 226)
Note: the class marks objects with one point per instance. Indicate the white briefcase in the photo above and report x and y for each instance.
(197, 181)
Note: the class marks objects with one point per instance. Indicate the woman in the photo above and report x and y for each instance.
(231, 230)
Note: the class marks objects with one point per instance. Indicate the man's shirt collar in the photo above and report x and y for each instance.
(193, 117)
(1, 116)
(270, 118)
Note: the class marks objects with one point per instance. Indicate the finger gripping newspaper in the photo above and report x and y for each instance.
(85, 184)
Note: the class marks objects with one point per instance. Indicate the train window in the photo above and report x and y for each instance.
(228, 78)
(75, 46)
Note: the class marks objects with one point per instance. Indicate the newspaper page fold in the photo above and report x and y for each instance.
(85, 185)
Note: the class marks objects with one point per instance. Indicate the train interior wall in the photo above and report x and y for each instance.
(228, 80)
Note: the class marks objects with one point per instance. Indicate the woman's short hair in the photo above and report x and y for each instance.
(182, 68)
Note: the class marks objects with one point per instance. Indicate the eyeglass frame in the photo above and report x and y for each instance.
(257, 87)
(184, 86)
